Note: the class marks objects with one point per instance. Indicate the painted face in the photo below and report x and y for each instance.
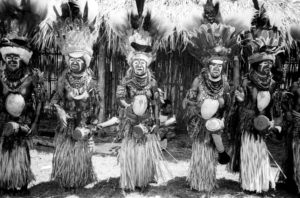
(215, 68)
(77, 65)
(13, 61)
(264, 67)
(139, 66)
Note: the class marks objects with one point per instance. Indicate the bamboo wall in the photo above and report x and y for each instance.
(174, 72)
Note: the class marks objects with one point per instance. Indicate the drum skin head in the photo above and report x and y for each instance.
(261, 123)
(213, 124)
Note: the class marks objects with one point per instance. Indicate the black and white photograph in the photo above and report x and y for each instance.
(149, 98)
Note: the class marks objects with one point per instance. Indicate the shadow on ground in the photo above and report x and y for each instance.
(175, 188)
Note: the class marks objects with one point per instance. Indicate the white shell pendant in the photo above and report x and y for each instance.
(15, 104)
(263, 100)
(209, 108)
(139, 105)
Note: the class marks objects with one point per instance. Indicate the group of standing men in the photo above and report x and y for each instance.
(73, 26)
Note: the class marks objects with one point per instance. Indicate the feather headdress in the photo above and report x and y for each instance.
(72, 25)
(211, 35)
(265, 40)
(18, 19)
(265, 46)
(140, 32)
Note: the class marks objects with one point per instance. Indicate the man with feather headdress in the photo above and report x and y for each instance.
(21, 90)
(213, 40)
(260, 111)
(140, 154)
(73, 27)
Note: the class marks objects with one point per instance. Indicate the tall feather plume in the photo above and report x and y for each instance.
(140, 6)
(67, 13)
(19, 18)
(283, 14)
(217, 34)
(137, 25)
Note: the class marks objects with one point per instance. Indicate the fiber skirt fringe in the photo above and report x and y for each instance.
(255, 173)
(15, 171)
(72, 162)
(202, 170)
(296, 158)
(140, 163)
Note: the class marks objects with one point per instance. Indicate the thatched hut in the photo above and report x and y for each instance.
(175, 68)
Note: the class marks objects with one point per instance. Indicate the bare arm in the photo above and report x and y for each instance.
(122, 94)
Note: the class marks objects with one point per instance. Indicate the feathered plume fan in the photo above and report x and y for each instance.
(139, 31)
(70, 24)
(215, 35)
(278, 15)
(19, 18)
(265, 40)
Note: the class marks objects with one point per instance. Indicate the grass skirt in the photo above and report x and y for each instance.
(255, 173)
(141, 163)
(202, 170)
(15, 171)
(72, 162)
(296, 158)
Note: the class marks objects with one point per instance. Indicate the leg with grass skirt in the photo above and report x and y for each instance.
(296, 159)
(72, 160)
(15, 163)
(202, 170)
(140, 157)
(296, 143)
(255, 170)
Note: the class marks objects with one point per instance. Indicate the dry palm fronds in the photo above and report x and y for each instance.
(202, 170)
(255, 165)
(72, 162)
(179, 13)
(141, 163)
(15, 171)
(64, 17)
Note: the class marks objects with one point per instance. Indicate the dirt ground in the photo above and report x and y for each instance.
(107, 169)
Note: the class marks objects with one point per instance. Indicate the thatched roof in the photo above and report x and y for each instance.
(282, 13)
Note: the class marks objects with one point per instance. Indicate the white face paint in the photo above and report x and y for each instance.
(265, 67)
(13, 61)
(139, 66)
(215, 68)
(77, 64)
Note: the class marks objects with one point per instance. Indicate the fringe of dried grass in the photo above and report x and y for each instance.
(15, 171)
(255, 173)
(72, 163)
(202, 170)
(140, 163)
(296, 159)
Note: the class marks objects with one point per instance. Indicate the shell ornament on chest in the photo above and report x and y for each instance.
(140, 99)
(139, 105)
(15, 104)
(209, 104)
(263, 100)
(15, 93)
